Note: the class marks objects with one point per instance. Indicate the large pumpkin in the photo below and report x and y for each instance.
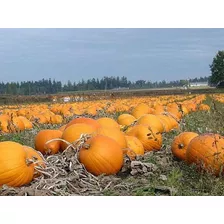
(15, 168)
(43, 137)
(207, 151)
(101, 155)
(180, 144)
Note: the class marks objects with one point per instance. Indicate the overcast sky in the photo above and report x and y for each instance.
(73, 54)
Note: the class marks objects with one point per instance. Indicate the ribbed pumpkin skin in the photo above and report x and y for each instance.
(180, 144)
(126, 119)
(135, 146)
(152, 121)
(84, 120)
(73, 133)
(108, 122)
(14, 170)
(150, 137)
(207, 149)
(104, 156)
(45, 135)
(113, 133)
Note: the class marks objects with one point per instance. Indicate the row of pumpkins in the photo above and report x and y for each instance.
(14, 119)
(131, 134)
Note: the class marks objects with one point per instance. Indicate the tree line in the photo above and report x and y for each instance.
(48, 86)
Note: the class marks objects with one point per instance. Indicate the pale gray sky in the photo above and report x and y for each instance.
(73, 54)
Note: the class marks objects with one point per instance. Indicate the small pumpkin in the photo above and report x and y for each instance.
(134, 147)
(140, 110)
(180, 143)
(43, 137)
(73, 133)
(101, 155)
(125, 119)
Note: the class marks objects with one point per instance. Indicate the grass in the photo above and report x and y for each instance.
(172, 177)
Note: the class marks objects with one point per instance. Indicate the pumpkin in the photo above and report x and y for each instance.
(15, 168)
(26, 122)
(180, 143)
(101, 155)
(207, 152)
(150, 137)
(204, 107)
(73, 133)
(56, 119)
(134, 147)
(43, 137)
(152, 121)
(113, 133)
(108, 122)
(89, 121)
(166, 122)
(140, 110)
(18, 124)
(126, 119)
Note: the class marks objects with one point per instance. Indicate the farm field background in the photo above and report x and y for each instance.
(154, 173)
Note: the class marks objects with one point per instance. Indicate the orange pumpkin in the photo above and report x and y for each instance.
(43, 137)
(15, 168)
(206, 151)
(101, 155)
(89, 121)
(134, 147)
(180, 144)
(108, 122)
(152, 121)
(26, 122)
(140, 110)
(113, 133)
(73, 133)
(125, 119)
(33, 155)
(150, 137)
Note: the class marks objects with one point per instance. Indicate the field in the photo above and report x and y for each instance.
(154, 173)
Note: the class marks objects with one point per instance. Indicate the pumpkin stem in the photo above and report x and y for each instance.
(29, 161)
(181, 146)
(86, 146)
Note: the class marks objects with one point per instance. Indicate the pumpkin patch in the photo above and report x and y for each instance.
(86, 147)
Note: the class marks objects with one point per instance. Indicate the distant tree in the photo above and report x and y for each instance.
(183, 82)
(217, 68)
